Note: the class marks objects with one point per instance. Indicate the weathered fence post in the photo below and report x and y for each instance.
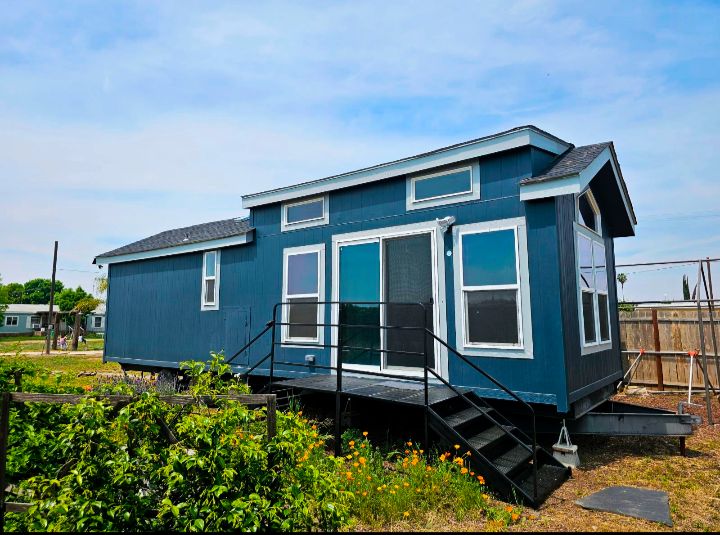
(658, 356)
(271, 415)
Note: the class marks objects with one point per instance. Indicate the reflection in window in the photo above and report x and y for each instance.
(593, 281)
(491, 288)
(211, 267)
(442, 185)
(302, 293)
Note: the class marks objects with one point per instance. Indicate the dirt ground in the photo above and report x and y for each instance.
(693, 482)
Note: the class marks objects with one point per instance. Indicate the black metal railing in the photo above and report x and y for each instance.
(427, 370)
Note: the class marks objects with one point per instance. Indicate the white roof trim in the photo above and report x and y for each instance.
(178, 249)
(451, 155)
(575, 183)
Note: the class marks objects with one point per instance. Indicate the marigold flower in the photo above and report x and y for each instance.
(379, 489)
(313, 427)
(406, 514)
(356, 465)
(481, 479)
(407, 452)
(361, 460)
(362, 445)
(87, 388)
(352, 443)
(509, 509)
(409, 443)
(348, 456)
(456, 446)
(364, 493)
(369, 478)
(421, 452)
(349, 475)
(365, 433)
(463, 470)
(468, 453)
(417, 490)
(514, 517)
(299, 413)
(406, 484)
(485, 496)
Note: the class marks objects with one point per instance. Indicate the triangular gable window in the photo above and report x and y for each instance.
(588, 212)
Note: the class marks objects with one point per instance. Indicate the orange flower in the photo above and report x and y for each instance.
(299, 413)
(87, 388)
(349, 475)
(361, 460)
(313, 427)
(365, 433)
(352, 443)
(481, 479)
(407, 452)
(509, 509)
(409, 443)
(364, 493)
(362, 445)
(514, 517)
(463, 470)
(356, 465)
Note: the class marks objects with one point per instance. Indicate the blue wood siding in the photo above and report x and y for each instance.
(154, 314)
(20, 328)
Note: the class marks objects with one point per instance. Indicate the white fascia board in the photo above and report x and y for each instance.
(179, 249)
(512, 140)
(576, 183)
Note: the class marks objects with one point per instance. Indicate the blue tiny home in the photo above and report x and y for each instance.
(505, 240)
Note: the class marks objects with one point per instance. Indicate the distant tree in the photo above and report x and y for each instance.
(83, 307)
(37, 291)
(68, 299)
(686, 288)
(3, 301)
(15, 292)
(622, 279)
(102, 284)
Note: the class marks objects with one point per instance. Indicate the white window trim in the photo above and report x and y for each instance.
(16, 318)
(469, 195)
(525, 348)
(320, 334)
(587, 348)
(439, 316)
(596, 208)
(35, 325)
(94, 322)
(203, 304)
(305, 223)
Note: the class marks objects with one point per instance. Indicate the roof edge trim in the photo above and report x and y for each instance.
(178, 249)
(520, 137)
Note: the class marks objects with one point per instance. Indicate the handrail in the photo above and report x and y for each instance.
(427, 369)
(505, 389)
(251, 342)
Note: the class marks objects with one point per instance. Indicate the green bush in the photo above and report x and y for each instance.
(120, 470)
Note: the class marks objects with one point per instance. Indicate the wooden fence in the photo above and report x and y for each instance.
(269, 400)
(668, 334)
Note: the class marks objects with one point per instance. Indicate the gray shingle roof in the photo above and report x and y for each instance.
(571, 162)
(184, 236)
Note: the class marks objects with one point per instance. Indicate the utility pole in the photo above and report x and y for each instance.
(52, 301)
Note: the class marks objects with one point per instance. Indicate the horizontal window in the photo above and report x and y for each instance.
(444, 187)
(11, 321)
(306, 213)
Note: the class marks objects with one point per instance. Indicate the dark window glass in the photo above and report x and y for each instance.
(302, 310)
(302, 275)
(443, 185)
(489, 258)
(408, 279)
(210, 291)
(588, 310)
(587, 213)
(585, 262)
(304, 212)
(359, 282)
(98, 321)
(603, 311)
(492, 317)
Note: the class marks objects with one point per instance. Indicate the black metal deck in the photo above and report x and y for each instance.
(398, 391)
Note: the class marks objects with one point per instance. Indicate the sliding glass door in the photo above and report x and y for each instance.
(397, 270)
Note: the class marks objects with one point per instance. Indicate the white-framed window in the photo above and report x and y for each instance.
(11, 321)
(210, 298)
(306, 213)
(588, 212)
(492, 289)
(303, 289)
(97, 322)
(593, 300)
(443, 187)
(35, 322)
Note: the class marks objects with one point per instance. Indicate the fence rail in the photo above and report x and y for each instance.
(8, 398)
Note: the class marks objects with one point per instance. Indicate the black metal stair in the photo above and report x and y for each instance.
(500, 452)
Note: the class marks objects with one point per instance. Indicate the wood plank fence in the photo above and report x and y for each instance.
(668, 335)
(8, 398)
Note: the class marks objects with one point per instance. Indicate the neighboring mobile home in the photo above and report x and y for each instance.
(95, 321)
(24, 319)
(507, 240)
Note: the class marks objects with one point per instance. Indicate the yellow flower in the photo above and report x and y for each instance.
(369, 478)
(421, 452)
(468, 453)
(406, 514)
(356, 465)
(348, 456)
(442, 458)
(481, 479)
(362, 445)
(313, 427)
(356, 453)
(349, 475)
(409, 443)
(365, 433)
(485, 496)
(406, 484)
(456, 446)
(361, 460)
(392, 492)
(463, 470)
(352, 443)
(417, 490)
(299, 413)
(364, 493)
(379, 489)
(397, 487)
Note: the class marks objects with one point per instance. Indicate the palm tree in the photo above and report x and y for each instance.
(622, 279)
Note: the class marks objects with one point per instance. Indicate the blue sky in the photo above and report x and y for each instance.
(123, 119)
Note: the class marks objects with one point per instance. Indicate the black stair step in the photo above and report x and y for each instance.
(512, 459)
(464, 416)
(550, 478)
(488, 436)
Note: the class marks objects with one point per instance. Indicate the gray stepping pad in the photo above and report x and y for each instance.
(653, 505)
